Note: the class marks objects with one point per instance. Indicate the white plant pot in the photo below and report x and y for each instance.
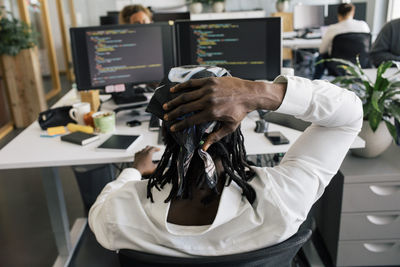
(375, 142)
(195, 8)
(218, 7)
(282, 6)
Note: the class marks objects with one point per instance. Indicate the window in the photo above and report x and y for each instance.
(393, 10)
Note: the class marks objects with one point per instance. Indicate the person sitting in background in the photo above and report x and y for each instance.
(387, 45)
(346, 24)
(203, 198)
(135, 14)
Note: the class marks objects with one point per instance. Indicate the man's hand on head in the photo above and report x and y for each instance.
(143, 160)
(224, 99)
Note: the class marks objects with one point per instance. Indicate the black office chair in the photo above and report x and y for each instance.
(280, 255)
(348, 46)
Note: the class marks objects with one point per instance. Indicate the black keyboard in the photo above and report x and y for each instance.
(129, 96)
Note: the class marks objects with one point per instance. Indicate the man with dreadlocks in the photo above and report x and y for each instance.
(203, 198)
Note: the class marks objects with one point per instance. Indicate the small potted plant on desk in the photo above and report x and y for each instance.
(196, 6)
(381, 104)
(218, 6)
(282, 5)
(20, 69)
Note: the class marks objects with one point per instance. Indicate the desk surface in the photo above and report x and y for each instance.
(298, 43)
(29, 150)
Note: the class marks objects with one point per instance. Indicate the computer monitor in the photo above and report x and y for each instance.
(158, 17)
(248, 48)
(359, 14)
(109, 20)
(308, 17)
(121, 54)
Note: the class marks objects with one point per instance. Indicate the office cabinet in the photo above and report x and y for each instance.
(359, 214)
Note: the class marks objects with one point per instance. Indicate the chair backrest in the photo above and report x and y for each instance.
(348, 46)
(281, 255)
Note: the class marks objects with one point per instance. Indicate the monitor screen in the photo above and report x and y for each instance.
(121, 54)
(248, 48)
(359, 14)
(157, 17)
(307, 17)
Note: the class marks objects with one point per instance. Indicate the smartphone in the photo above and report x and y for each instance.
(154, 124)
(276, 138)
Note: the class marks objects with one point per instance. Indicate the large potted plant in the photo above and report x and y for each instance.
(381, 103)
(20, 69)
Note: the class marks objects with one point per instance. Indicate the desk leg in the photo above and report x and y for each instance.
(66, 241)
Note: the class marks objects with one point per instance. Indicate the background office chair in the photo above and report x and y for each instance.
(348, 46)
(280, 255)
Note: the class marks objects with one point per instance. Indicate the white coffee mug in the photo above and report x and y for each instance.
(78, 110)
(287, 71)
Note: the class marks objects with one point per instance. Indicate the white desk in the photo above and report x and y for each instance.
(29, 150)
(299, 43)
(229, 15)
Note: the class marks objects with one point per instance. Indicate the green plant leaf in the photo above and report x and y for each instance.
(376, 95)
(394, 110)
(374, 118)
(381, 83)
(392, 129)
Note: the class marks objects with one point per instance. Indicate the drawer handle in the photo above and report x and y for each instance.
(382, 219)
(384, 190)
(378, 247)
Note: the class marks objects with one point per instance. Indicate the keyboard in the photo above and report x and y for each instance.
(127, 97)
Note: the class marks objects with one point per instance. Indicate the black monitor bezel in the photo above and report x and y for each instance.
(167, 16)
(81, 60)
(271, 48)
(331, 18)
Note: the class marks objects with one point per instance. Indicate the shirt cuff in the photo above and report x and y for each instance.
(297, 97)
(129, 174)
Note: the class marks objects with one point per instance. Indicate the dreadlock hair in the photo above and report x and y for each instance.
(229, 149)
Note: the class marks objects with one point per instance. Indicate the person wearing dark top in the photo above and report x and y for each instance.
(387, 45)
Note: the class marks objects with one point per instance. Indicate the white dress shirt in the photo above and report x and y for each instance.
(345, 26)
(122, 216)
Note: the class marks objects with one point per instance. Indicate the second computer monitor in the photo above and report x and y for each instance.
(248, 48)
(308, 17)
(359, 14)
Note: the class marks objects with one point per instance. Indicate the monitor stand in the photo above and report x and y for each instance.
(305, 33)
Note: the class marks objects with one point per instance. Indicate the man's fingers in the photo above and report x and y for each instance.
(183, 99)
(218, 135)
(184, 109)
(154, 149)
(197, 118)
(189, 84)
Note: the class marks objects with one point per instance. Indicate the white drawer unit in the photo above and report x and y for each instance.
(369, 253)
(373, 225)
(371, 197)
(358, 217)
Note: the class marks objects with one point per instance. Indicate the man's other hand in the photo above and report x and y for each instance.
(143, 160)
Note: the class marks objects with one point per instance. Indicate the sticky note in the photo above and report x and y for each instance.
(110, 89)
(119, 87)
(56, 130)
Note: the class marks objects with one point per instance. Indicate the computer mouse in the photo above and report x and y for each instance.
(261, 126)
(133, 123)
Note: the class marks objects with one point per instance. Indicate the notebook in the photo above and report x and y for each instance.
(80, 138)
(119, 142)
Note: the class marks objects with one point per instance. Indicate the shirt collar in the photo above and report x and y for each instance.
(228, 208)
